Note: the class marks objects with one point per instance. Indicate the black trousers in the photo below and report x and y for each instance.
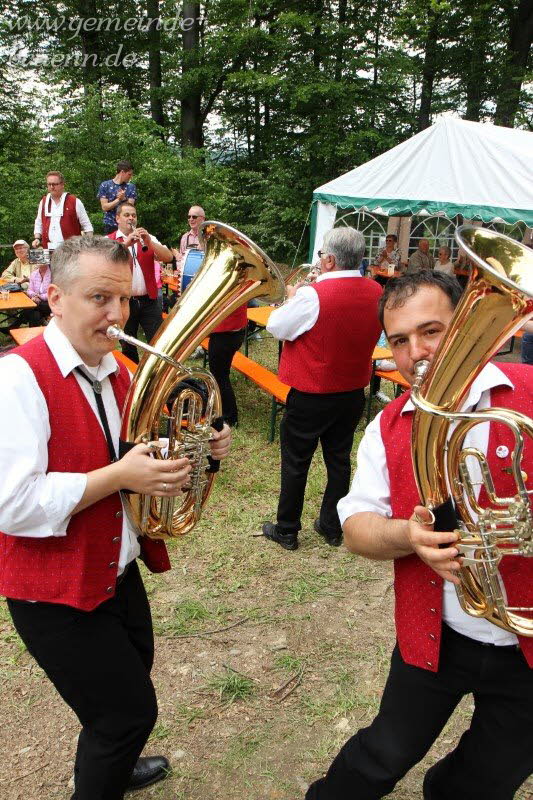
(330, 419)
(493, 757)
(100, 662)
(146, 313)
(222, 348)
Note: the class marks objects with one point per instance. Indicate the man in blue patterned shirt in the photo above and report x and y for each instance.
(113, 192)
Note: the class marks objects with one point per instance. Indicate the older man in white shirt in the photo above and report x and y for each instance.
(329, 330)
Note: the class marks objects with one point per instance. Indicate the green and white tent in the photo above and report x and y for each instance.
(478, 170)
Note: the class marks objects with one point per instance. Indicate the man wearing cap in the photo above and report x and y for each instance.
(20, 268)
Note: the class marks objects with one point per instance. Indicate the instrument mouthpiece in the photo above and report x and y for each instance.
(113, 332)
(421, 368)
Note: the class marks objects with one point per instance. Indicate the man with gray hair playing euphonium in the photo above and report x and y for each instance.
(329, 329)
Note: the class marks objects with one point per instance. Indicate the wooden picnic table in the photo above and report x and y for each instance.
(170, 281)
(379, 272)
(15, 300)
(260, 315)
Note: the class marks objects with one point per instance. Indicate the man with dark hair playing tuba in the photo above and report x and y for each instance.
(442, 653)
(68, 554)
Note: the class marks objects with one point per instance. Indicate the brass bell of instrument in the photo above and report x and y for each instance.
(234, 271)
(497, 301)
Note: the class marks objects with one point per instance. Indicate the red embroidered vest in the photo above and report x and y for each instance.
(79, 569)
(335, 354)
(146, 261)
(234, 322)
(418, 588)
(69, 222)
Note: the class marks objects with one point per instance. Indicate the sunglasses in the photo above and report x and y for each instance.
(323, 253)
(193, 216)
(54, 184)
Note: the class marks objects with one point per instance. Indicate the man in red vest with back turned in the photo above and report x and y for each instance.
(68, 553)
(442, 653)
(145, 308)
(329, 331)
(60, 215)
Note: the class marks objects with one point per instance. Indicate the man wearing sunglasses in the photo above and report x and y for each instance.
(60, 215)
(190, 240)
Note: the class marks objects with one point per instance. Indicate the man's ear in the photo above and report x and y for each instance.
(330, 263)
(55, 297)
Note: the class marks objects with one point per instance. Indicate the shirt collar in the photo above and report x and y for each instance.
(489, 378)
(339, 273)
(68, 358)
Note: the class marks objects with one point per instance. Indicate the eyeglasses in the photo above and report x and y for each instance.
(193, 216)
(389, 239)
(322, 253)
(54, 184)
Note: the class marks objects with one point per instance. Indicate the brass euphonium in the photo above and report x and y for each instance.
(234, 271)
(497, 301)
(304, 273)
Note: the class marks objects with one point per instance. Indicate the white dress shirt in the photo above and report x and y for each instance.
(370, 491)
(55, 234)
(33, 501)
(300, 313)
(138, 284)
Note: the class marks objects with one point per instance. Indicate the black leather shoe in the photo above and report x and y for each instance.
(148, 770)
(287, 540)
(334, 541)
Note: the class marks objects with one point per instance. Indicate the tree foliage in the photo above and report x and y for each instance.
(244, 106)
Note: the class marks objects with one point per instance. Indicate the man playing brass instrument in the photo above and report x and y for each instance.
(441, 653)
(68, 554)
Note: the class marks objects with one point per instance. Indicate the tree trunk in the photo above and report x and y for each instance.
(91, 55)
(476, 75)
(191, 101)
(428, 72)
(154, 63)
(520, 39)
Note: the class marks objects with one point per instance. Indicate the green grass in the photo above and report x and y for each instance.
(231, 686)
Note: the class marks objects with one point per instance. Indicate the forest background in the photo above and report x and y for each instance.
(243, 106)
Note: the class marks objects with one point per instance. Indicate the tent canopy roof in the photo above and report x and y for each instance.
(454, 167)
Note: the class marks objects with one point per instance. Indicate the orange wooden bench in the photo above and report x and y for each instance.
(23, 335)
(265, 379)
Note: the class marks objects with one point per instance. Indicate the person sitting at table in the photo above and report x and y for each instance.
(38, 292)
(390, 255)
(443, 263)
(421, 258)
(19, 270)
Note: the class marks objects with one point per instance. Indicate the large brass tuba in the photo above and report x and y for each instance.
(497, 301)
(234, 271)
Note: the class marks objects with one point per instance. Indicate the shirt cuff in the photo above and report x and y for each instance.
(61, 494)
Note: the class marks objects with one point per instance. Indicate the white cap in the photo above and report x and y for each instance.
(20, 241)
